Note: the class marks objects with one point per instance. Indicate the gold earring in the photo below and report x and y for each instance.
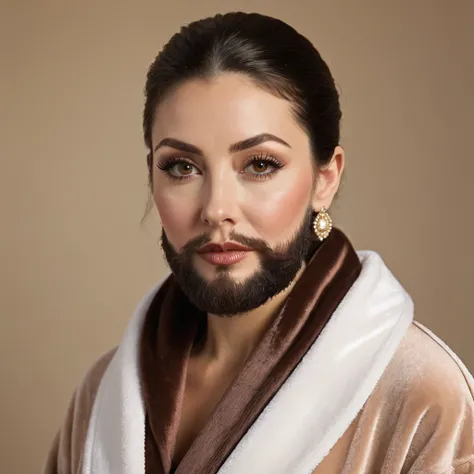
(322, 224)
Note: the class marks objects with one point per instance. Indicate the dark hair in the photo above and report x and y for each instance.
(273, 54)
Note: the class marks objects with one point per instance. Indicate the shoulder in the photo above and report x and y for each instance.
(90, 383)
(84, 397)
(427, 367)
(427, 395)
(426, 372)
(66, 452)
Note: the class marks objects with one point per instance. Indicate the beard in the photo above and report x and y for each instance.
(223, 295)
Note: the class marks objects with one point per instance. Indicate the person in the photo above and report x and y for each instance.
(272, 346)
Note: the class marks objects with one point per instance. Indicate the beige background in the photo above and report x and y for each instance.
(74, 258)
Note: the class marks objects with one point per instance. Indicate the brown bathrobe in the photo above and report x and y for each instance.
(418, 419)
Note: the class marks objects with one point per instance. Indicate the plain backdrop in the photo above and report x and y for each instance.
(75, 259)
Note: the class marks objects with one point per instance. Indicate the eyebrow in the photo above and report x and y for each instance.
(234, 148)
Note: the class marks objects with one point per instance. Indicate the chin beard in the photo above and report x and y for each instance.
(225, 297)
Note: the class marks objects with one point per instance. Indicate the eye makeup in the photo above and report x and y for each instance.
(270, 164)
(258, 167)
(171, 164)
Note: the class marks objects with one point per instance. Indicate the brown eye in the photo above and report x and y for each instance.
(182, 168)
(262, 167)
(259, 166)
(178, 168)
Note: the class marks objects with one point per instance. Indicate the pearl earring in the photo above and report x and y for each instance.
(322, 224)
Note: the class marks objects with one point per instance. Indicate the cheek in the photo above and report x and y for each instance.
(176, 215)
(280, 211)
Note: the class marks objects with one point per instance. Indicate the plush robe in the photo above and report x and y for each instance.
(343, 381)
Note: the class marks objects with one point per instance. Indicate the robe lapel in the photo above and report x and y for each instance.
(323, 395)
(168, 334)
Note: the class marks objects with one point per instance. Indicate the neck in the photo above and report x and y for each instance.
(231, 339)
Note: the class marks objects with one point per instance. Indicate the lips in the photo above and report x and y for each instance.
(226, 247)
(223, 254)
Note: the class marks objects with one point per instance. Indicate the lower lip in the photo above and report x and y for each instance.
(224, 258)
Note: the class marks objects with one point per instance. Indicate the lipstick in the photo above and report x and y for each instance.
(227, 253)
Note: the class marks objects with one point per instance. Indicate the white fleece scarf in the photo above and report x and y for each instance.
(315, 405)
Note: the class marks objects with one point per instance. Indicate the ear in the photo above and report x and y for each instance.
(328, 179)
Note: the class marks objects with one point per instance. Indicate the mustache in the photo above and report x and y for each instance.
(279, 253)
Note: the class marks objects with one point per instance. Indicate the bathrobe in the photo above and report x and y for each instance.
(344, 380)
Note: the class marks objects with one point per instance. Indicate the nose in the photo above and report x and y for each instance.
(219, 205)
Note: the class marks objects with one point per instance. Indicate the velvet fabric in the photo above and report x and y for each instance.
(172, 327)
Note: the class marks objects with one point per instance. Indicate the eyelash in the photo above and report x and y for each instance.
(168, 163)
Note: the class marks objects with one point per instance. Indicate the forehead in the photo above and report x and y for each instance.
(225, 109)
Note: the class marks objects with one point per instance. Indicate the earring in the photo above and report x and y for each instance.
(322, 224)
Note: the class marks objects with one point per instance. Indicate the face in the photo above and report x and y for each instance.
(233, 183)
